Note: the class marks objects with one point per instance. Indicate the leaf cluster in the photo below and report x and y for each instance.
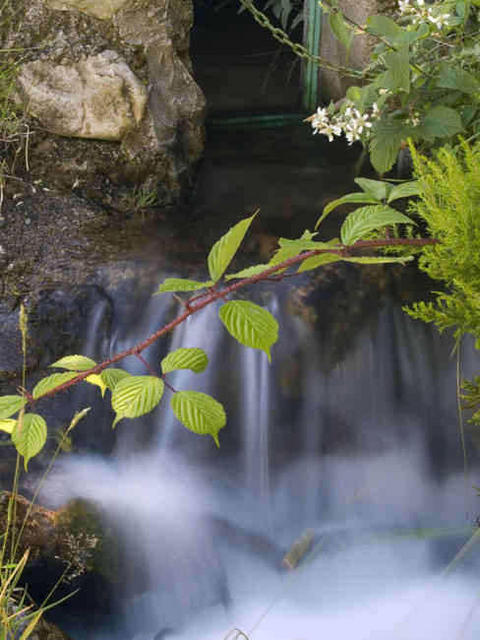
(422, 79)
(449, 204)
(132, 396)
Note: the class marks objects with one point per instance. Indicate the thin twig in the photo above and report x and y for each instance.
(218, 294)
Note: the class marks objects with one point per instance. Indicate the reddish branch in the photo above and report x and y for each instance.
(199, 302)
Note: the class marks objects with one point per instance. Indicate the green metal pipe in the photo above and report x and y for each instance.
(312, 43)
(258, 120)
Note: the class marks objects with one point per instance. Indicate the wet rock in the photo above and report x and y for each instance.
(103, 9)
(10, 352)
(48, 631)
(71, 548)
(98, 97)
(43, 630)
(113, 106)
(70, 537)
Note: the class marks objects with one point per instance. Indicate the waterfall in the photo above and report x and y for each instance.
(364, 450)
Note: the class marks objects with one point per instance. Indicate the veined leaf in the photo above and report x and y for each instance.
(385, 144)
(49, 383)
(199, 412)
(456, 78)
(29, 436)
(397, 76)
(7, 425)
(181, 284)
(112, 376)
(404, 190)
(360, 222)
(379, 189)
(383, 26)
(250, 324)
(248, 272)
(97, 380)
(185, 358)
(74, 363)
(305, 245)
(10, 405)
(135, 396)
(223, 251)
(441, 122)
(288, 249)
(318, 261)
(378, 259)
(340, 29)
(350, 198)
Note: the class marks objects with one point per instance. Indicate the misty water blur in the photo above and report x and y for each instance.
(366, 454)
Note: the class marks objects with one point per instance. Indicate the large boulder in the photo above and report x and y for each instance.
(108, 86)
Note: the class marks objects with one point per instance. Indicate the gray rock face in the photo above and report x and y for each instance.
(109, 88)
(98, 97)
(103, 9)
(333, 86)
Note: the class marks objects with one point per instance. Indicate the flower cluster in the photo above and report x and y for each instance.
(350, 122)
(419, 12)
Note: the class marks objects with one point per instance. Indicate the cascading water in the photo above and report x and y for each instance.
(365, 453)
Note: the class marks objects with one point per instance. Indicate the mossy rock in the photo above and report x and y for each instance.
(73, 538)
(86, 540)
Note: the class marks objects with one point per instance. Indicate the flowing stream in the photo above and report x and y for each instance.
(362, 450)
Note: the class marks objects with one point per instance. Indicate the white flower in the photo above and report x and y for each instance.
(440, 20)
(404, 6)
(375, 111)
(330, 130)
(318, 120)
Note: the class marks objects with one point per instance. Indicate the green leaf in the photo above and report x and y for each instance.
(112, 376)
(379, 189)
(397, 76)
(185, 358)
(49, 383)
(199, 412)
(468, 113)
(135, 396)
(378, 259)
(340, 30)
(75, 363)
(289, 249)
(181, 284)
(29, 436)
(7, 425)
(350, 198)
(404, 190)
(223, 251)
(97, 380)
(318, 261)
(10, 405)
(441, 122)
(354, 94)
(393, 33)
(248, 272)
(387, 136)
(454, 77)
(250, 324)
(384, 27)
(366, 219)
(299, 244)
